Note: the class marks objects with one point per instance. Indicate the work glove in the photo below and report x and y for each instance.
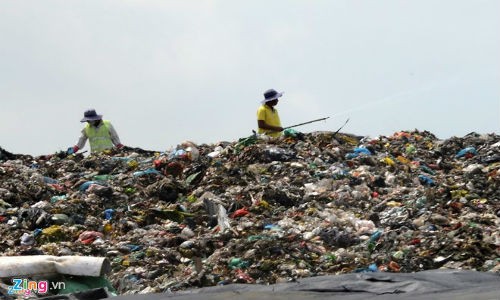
(72, 150)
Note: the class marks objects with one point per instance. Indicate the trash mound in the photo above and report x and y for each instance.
(260, 211)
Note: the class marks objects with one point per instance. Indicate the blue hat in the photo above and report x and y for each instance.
(90, 115)
(271, 95)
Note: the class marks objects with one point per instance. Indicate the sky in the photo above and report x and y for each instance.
(168, 71)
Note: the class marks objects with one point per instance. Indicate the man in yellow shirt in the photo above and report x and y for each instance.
(268, 119)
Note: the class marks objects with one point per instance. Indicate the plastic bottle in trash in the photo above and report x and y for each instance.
(193, 153)
(144, 172)
(102, 177)
(54, 199)
(375, 236)
(37, 232)
(86, 185)
(49, 180)
(426, 169)
(178, 153)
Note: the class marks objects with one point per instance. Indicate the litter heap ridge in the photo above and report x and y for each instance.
(259, 210)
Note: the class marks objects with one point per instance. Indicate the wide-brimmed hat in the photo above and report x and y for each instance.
(271, 95)
(90, 115)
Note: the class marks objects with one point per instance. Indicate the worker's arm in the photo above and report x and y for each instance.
(82, 140)
(114, 136)
(262, 124)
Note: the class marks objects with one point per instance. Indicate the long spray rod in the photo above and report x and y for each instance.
(300, 124)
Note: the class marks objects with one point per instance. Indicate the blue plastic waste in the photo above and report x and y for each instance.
(370, 269)
(108, 213)
(134, 247)
(49, 180)
(54, 199)
(424, 180)
(340, 174)
(272, 227)
(465, 151)
(375, 236)
(358, 152)
(86, 185)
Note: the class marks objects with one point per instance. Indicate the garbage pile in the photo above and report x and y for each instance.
(261, 211)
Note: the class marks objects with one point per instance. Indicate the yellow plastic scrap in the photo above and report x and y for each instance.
(150, 252)
(108, 228)
(52, 230)
(53, 233)
(393, 204)
(479, 201)
(133, 164)
(403, 160)
(192, 198)
(349, 140)
(126, 263)
(425, 253)
(263, 203)
(389, 161)
(457, 194)
(310, 211)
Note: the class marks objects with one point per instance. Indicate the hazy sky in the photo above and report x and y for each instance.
(167, 71)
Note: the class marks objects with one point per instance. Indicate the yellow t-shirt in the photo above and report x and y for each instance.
(271, 117)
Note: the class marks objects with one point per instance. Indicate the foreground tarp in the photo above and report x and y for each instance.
(435, 284)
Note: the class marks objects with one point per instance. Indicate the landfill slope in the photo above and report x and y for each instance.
(260, 211)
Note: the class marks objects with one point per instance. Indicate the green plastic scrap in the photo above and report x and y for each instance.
(75, 284)
(174, 215)
(238, 263)
(290, 132)
(245, 142)
(253, 238)
(192, 198)
(193, 178)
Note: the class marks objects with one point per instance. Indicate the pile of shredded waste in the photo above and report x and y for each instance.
(259, 210)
